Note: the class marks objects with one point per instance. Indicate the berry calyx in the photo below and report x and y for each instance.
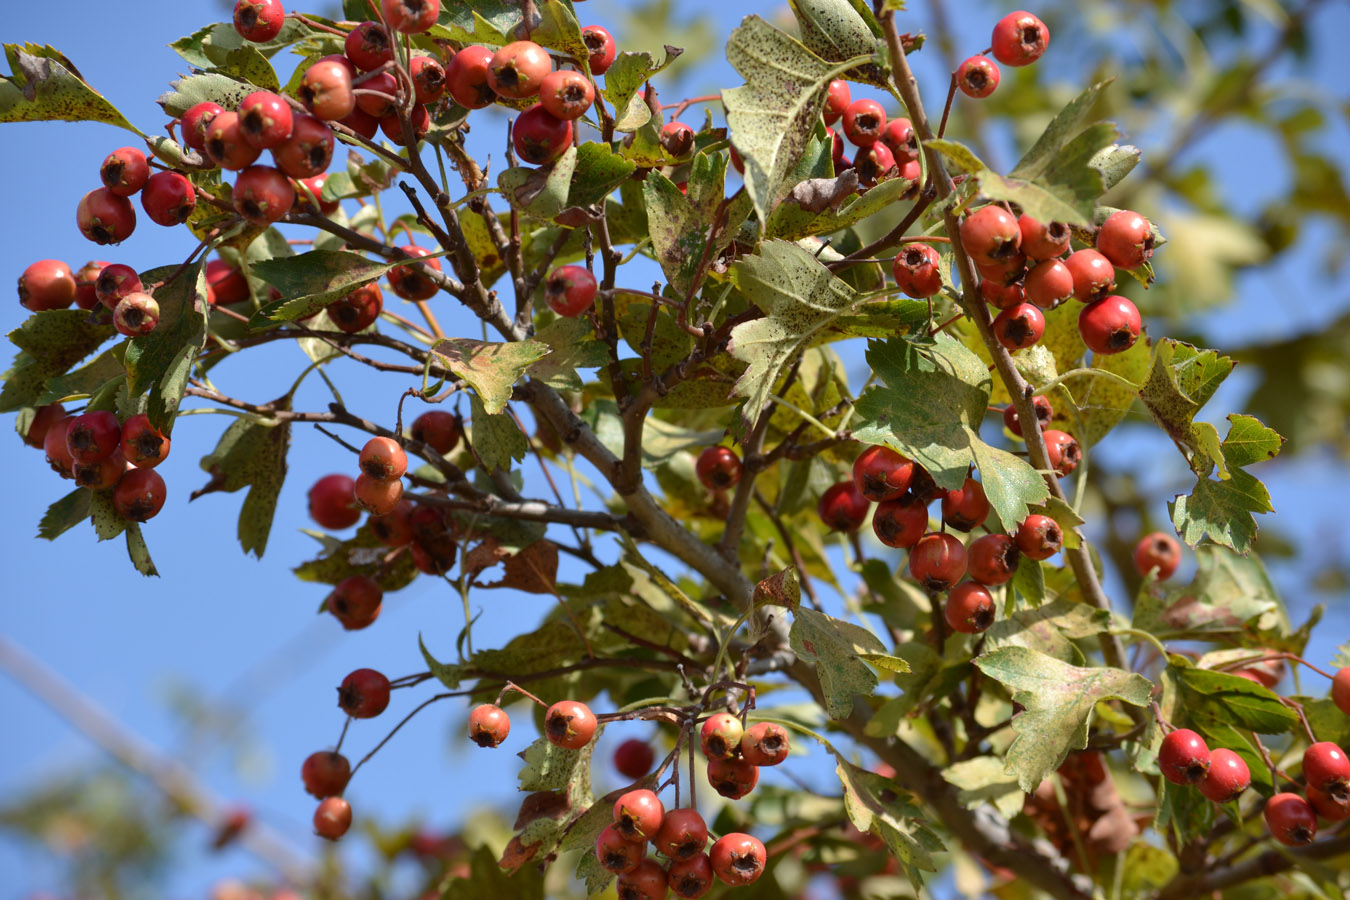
(47, 284)
(567, 94)
(967, 507)
(1228, 776)
(720, 736)
(1044, 413)
(428, 78)
(718, 468)
(677, 139)
(488, 725)
(937, 561)
(1291, 820)
(308, 151)
(332, 504)
(683, 835)
(225, 143)
(738, 858)
(332, 818)
(991, 235)
(139, 494)
(364, 694)
(569, 724)
(881, 473)
(638, 815)
(1093, 275)
(1039, 537)
(1019, 327)
(517, 70)
(410, 282)
(355, 601)
(93, 436)
(1158, 551)
(1109, 325)
(358, 310)
(916, 271)
(1184, 757)
(136, 314)
(970, 608)
(902, 522)
(992, 559)
(602, 49)
(368, 46)
(570, 290)
(633, 758)
(438, 429)
(325, 773)
(105, 218)
(864, 121)
(383, 459)
(977, 77)
(842, 507)
(100, 474)
(1126, 239)
(124, 171)
(1063, 451)
(143, 444)
(732, 778)
(691, 878)
(616, 853)
(1326, 768)
(647, 881)
(259, 21)
(765, 744)
(540, 137)
(1019, 39)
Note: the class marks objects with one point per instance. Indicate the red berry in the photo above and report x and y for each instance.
(410, 16)
(1043, 240)
(410, 282)
(355, 601)
(1326, 768)
(732, 778)
(1019, 39)
(1109, 325)
(1340, 687)
(937, 561)
(304, 202)
(539, 137)
(85, 295)
(1093, 275)
(567, 94)
(364, 694)
(967, 507)
(358, 310)
(1002, 296)
(720, 736)
(428, 77)
(259, 21)
(100, 474)
(992, 559)
(1228, 776)
(488, 725)
(263, 195)
(382, 101)
(842, 507)
(691, 878)
(325, 773)
(765, 744)
(383, 459)
(136, 314)
(1291, 820)
(1049, 283)
(1328, 807)
(196, 120)
(326, 90)
(683, 835)
(977, 77)
(1044, 413)
(1157, 550)
(718, 468)
(923, 487)
(570, 290)
(864, 121)
(93, 436)
(124, 171)
(1019, 327)
(900, 138)
(1011, 269)
(308, 151)
(105, 218)
(633, 758)
(379, 498)
(873, 164)
(900, 522)
(991, 235)
(143, 444)
(225, 143)
(881, 473)
(265, 119)
(43, 419)
(139, 495)
(517, 70)
(837, 99)
(334, 815)
(916, 271)
(738, 858)
(1039, 537)
(1184, 757)
(168, 198)
(418, 118)
(368, 46)
(569, 724)
(466, 77)
(1126, 239)
(647, 881)
(439, 430)
(1063, 451)
(600, 43)
(54, 445)
(47, 284)
(616, 853)
(970, 608)
(638, 815)
(331, 503)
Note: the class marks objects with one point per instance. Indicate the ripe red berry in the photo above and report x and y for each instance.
(326, 90)
(992, 559)
(196, 120)
(539, 137)
(308, 151)
(916, 271)
(225, 285)
(570, 290)
(1044, 413)
(355, 601)
(1039, 537)
(1093, 275)
(1002, 296)
(85, 295)
(1019, 327)
(438, 429)
(259, 21)
(517, 70)
(418, 118)
(765, 744)
(325, 773)
(683, 835)
(977, 77)
(263, 195)
(873, 164)
(105, 218)
(1109, 325)
(900, 139)
(136, 314)
(1291, 820)
(991, 235)
(368, 46)
(332, 504)
(383, 459)
(842, 507)
(569, 724)
(265, 119)
(732, 778)
(139, 495)
(901, 522)
(1043, 240)
(1340, 687)
(93, 435)
(600, 43)
(225, 143)
(124, 171)
(47, 284)
(43, 419)
(616, 853)
(358, 310)
(567, 94)
(923, 487)
(1228, 776)
(970, 608)
(100, 474)
(720, 736)
(937, 561)
(633, 758)
(143, 444)
(881, 473)
(838, 96)
(1328, 807)
(738, 859)
(718, 468)
(1126, 239)
(379, 498)
(309, 190)
(168, 198)
(1326, 768)
(488, 725)
(1049, 283)
(1063, 451)
(1157, 550)
(54, 446)
(638, 815)
(410, 282)
(1184, 757)
(410, 16)
(967, 507)
(1010, 270)
(1019, 39)
(647, 881)
(334, 815)
(364, 694)
(864, 121)
(466, 77)
(691, 878)
(428, 78)
(382, 101)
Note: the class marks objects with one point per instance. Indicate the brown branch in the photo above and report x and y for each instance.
(1199, 884)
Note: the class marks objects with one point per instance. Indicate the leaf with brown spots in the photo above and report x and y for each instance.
(44, 86)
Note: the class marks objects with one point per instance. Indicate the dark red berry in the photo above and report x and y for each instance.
(225, 285)
(1326, 768)
(259, 21)
(570, 290)
(325, 773)
(1157, 551)
(1048, 284)
(900, 138)
(368, 46)
(355, 601)
(881, 473)
(900, 522)
(364, 694)
(168, 198)
(143, 444)
(691, 878)
(1184, 757)
(732, 778)
(225, 143)
(410, 16)
(683, 835)
(124, 171)
(1340, 688)
(85, 295)
(43, 419)
(638, 815)
(1063, 451)
(916, 271)
(139, 495)
(1109, 325)
(54, 446)
(1039, 537)
(569, 724)
(738, 859)
(358, 310)
(105, 218)
(265, 119)
(517, 70)
(842, 507)
(334, 815)
(864, 121)
(540, 137)
(1043, 240)
(332, 504)
(1291, 820)
(720, 736)
(326, 90)
(263, 195)
(1019, 327)
(195, 121)
(379, 498)
(991, 234)
(438, 429)
(718, 468)
(1093, 275)
(1044, 413)
(410, 282)
(837, 98)
(308, 151)
(937, 561)
(633, 758)
(970, 608)
(466, 78)
(428, 77)
(965, 508)
(488, 725)
(647, 881)
(616, 853)
(600, 43)
(765, 744)
(992, 559)
(93, 436)
(567, 94)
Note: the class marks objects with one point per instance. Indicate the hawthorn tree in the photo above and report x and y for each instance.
(979, 692)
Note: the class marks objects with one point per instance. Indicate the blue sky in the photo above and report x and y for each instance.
(243, 632)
